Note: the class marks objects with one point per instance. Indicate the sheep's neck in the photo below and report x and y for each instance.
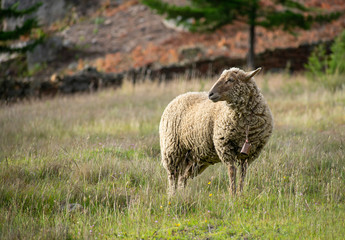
(250, 106)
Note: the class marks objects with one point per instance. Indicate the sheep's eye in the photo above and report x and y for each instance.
(230, 80)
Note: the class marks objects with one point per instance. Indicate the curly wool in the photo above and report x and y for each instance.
(196, 132)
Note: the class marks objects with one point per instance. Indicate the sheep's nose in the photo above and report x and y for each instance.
(210, 94)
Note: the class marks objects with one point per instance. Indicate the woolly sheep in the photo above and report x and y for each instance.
(199, 129)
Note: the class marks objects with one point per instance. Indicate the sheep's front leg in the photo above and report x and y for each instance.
(232, 177)
(244, 166)
(226, 151)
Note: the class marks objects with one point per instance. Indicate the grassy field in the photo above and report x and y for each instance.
(88, 167)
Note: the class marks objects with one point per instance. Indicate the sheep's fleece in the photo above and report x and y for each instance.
(199, 129)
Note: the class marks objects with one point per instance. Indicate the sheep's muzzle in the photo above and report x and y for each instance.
(214, 97)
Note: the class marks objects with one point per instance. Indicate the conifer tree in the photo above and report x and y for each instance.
(7, 37)
(209, 15)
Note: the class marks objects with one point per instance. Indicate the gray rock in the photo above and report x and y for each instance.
(45, 52)
(191, 53)
(107, 22)
(73, 66)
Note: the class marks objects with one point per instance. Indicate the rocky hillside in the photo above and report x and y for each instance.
(131, 36)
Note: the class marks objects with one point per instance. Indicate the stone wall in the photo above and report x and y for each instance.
(88, 80)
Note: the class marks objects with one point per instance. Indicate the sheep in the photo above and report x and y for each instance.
(199, 129)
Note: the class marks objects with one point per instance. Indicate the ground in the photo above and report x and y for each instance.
(88, 167)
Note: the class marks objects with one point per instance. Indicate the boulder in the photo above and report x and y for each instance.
(89, 79)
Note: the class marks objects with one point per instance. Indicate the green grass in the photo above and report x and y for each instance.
(102, 152)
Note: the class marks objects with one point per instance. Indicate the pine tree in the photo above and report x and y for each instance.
(6, 37)
(209, 15)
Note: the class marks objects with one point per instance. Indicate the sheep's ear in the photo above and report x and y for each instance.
(251, 74)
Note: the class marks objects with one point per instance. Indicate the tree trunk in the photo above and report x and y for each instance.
(251, 51)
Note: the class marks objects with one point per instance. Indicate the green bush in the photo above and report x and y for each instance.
(337, 58)
(328, 69)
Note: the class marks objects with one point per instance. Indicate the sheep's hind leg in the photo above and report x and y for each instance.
(169, 163)
(232, 178)
(191, 171)
(182, 182)
(184, 175)
(185, 167)
(172, 181)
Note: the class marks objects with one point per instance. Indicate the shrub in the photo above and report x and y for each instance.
(328, 69)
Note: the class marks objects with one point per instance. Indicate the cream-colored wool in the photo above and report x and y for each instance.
(199, 129)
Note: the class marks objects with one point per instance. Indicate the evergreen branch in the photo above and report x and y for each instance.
(293, 5)
(173, 11)
(19, 31)
(28, 47)
(324, 18)
(14, 12)
(290, 20)
(203, 15)
(287, 19)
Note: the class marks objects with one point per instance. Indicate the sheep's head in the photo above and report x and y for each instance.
(232, 86)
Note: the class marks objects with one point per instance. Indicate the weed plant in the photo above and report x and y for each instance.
(88, 167)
